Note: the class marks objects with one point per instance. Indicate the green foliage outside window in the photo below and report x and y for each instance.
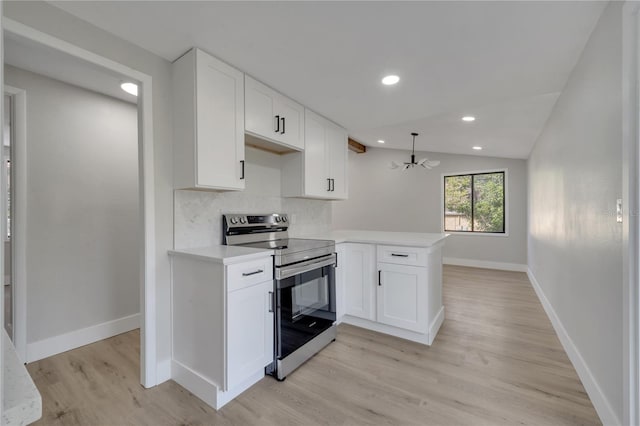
(475, 202)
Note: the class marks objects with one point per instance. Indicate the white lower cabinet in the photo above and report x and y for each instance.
(359, 267)
(222, 325)
(250, 331)
(401, 297)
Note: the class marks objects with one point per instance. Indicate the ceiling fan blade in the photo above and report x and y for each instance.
(433, 163)
(426, 166)
(406, 166)
(394, 165)
(424, 160)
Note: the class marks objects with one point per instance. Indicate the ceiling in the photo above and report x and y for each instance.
(35, 57)
(504, 62)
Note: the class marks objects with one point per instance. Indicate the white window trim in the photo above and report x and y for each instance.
(506, 203)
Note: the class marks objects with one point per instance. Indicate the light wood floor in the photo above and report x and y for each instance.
(495, 361)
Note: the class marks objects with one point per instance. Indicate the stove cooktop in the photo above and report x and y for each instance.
(291, 245)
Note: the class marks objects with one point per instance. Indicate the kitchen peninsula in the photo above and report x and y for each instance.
(390, 282)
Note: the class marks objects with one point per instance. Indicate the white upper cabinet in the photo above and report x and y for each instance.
(272, 116)
(316, 158)
(209, 111)
(337, 147)
(321, 170)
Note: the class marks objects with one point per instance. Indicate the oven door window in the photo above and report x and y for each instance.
(306, 307)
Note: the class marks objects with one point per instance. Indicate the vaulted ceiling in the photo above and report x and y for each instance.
(503, 62)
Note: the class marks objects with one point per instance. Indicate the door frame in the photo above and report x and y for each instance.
(146, 176)
(631, 209)
(18, 245)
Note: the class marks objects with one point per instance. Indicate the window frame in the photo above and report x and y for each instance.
(505, 202)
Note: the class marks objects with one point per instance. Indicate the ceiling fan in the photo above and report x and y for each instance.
(425, 162)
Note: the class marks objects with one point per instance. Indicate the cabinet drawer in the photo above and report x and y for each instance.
(402, 255)
(246, 274)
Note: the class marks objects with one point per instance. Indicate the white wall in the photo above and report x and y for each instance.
(575, 244)
(82, 198)
(198, 214)
(395, 200)
(48, 19)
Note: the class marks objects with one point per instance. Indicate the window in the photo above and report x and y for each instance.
(475, 202)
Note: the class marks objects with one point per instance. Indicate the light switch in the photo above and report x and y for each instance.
(619, 210)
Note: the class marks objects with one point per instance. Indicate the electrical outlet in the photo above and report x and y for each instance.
(619, 210)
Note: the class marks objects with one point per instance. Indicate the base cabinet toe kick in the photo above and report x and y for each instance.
(395, 290)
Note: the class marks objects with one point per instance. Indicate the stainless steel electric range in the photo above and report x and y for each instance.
(304, 286)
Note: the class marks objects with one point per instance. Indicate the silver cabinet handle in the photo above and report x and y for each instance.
(399, 255)
(270, 301)
(246, 274)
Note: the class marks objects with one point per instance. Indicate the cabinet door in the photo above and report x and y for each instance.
(359, 280)
(249, 331)
(337, 160)
(260, 115)
(316, 174)
(220, 124)
(292, 122)
(402, 296)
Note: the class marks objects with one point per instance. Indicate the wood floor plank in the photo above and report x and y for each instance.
(496, 361)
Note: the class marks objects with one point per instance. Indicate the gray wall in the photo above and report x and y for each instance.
(394, 200)
(46, 18)
(575, 244)
(82, 198)
(198, 214)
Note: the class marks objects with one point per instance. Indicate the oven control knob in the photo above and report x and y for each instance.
(243, 220)
(233, 220)
(284, 218)
(278, 219)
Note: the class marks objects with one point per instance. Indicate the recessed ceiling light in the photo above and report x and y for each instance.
(130, 88)
(390, 80)
(468, 118)
(477, 148)
(380, 141)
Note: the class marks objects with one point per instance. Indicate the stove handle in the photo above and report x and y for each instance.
(301, 268)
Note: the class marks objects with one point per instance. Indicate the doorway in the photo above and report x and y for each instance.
(7, 143)
(147, 246)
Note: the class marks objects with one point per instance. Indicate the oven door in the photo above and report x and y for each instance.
(306, 306)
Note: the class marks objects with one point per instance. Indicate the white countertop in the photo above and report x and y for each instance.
(223, 254)
(21, 400)
(413, 239)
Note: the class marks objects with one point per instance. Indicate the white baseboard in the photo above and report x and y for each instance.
(387, 329)
(208, 391)
(163, 372)
(195, 383)
(485, 264)
(435, 325)
(598, 398)
(74, 339)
